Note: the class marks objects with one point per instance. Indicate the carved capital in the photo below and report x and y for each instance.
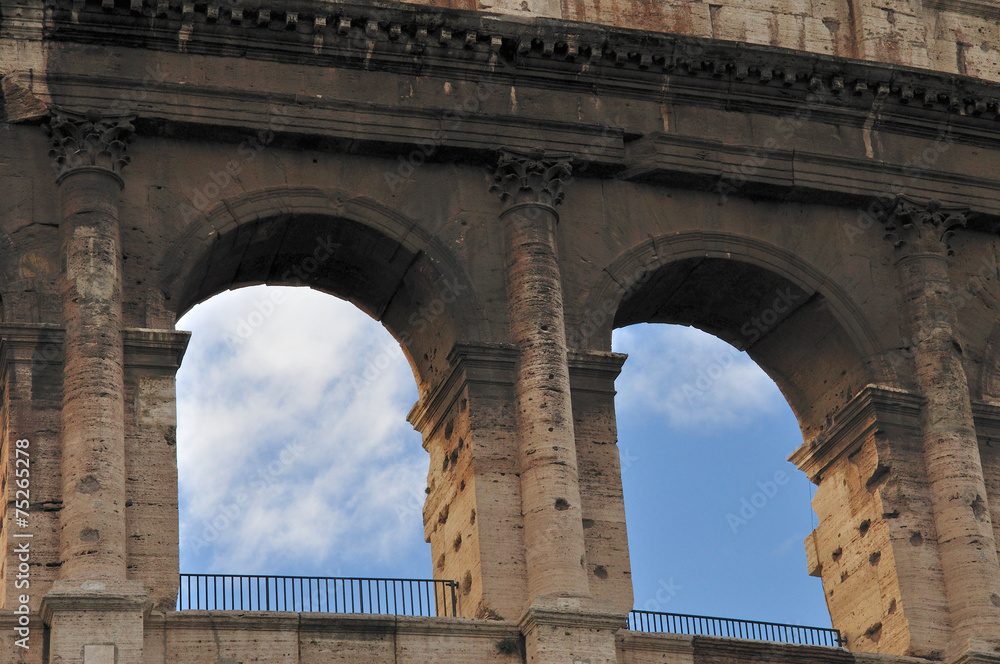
(526, 177)
(89, 141)
(923, 226)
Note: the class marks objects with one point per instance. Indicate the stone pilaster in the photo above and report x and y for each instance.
(530, 186)
(920, 232)
(472, 512)
(592, 377)
(93, 609)
(875, 543)
(152, 358)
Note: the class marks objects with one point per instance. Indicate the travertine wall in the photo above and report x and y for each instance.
(943, 35)
(834, 218)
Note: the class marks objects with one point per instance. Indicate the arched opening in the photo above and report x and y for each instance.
(294, 455)
(716, 514)
(765, 308)
(407, 299)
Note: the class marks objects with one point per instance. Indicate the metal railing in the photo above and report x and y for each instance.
(400, 597)
(675, 623)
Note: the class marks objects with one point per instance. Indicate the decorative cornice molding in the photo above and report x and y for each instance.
(594, 371)
(490, 364)
(89, 141)
(154, 349)
(923, 227)
(530, 177)
(874, 407)
(351, 34)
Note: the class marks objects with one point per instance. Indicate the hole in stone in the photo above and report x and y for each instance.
(874, 632)
(837, 553)
(443, 516)
(88, 484)
(561, 504)
(444, 466)
(978, 509)
(916, 539)
(864, 526)
(878, 477)
(601, 572)
(472, 519)
(874, 558)
(89, 535)
(461, 443)
(995, 599)
(463, 405)
(448, 429)
(458, 543)
(454, 456)
(467, 583)
(892, 607)
(440, 563)
(588, 523)
(843, 576)
(461, 485)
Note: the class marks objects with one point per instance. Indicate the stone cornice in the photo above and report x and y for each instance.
(111, 596)
(27, 343)
(154, 349)
(983, 8)
(412, 37)
(987, 419)
(570, 616)
(799, 175)
(594, 371)
(493, 364)
(873, 408)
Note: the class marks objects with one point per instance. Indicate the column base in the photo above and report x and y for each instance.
(96, 622)
(570, 630)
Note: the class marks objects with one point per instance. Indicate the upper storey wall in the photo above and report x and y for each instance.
(954, 36)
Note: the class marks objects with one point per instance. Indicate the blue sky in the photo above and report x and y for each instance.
(295, 457)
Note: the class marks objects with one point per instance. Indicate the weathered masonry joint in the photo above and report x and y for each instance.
(815, 185)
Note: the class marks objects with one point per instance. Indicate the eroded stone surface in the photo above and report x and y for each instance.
(743, 189)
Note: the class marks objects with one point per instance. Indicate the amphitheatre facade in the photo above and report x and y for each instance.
(501, 185)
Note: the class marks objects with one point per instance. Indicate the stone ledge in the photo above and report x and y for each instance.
(334, 622)
(470, 363)
(552, 54)
(570, 612)
(873, 407)
(162, 349)
(95, 596)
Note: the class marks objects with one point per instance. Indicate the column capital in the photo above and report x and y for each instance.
(89, 141)
(525, 177)
(923, 227)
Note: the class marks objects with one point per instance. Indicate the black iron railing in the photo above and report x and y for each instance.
(400, 597)
(675, 623)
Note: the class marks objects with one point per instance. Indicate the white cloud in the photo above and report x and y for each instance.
(262, 375)
(692, 378)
